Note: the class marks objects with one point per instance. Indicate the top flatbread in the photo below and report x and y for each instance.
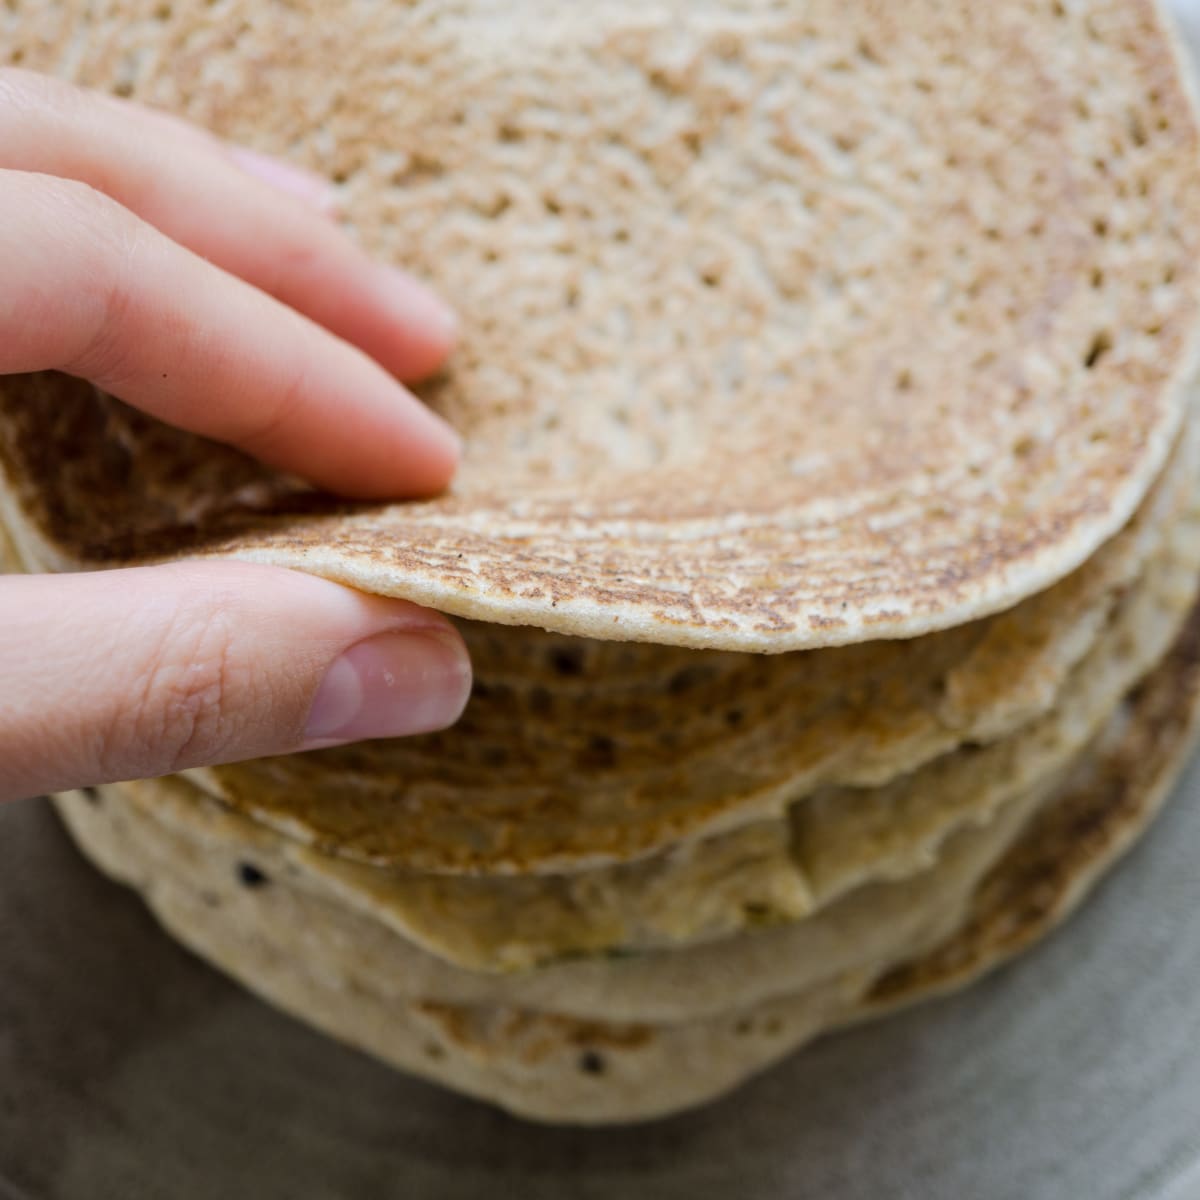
(787, 324)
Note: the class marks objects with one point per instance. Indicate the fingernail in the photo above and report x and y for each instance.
(391, 685)
(419, 307)
(305, 185)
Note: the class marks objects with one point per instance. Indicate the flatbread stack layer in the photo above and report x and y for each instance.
(827, 543)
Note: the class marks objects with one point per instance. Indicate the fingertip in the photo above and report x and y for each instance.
(411, 453)
(434, 451)
(425, 327)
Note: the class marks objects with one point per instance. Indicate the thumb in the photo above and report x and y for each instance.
(132, 673)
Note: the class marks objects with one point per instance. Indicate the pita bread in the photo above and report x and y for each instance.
(211, 845)
(576, 753)
(789, 327)
(555, 1068)
(828, 845)
(792, 410)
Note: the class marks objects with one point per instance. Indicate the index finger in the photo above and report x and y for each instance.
(188, 184)
(92, 290)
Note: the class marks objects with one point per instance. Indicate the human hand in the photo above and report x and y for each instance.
(205, 286)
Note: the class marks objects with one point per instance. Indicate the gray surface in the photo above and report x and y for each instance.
(128, 1069)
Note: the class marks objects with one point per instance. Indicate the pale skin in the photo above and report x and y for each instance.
(209, 288)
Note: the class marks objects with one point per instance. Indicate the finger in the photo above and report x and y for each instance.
(91, 290)
(134, 673)
(312, 189)
(191, 187)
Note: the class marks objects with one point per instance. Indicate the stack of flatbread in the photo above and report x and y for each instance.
(828, 540)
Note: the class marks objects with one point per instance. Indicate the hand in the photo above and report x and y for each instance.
(206, 286)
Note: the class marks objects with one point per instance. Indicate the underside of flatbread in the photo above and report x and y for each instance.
(769, 872)
(576, 753)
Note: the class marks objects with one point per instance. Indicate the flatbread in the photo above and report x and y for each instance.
(553, 1068)
(171, 825)
(766, 873)
(158, 839)
(577, 753)
(787, 324)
